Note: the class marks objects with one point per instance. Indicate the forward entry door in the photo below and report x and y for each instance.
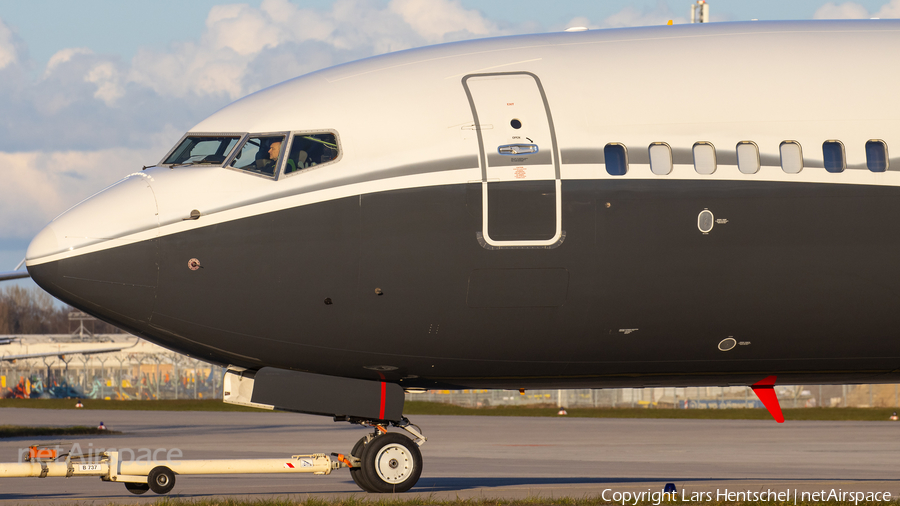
(521, 189)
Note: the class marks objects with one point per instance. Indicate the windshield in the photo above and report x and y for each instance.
(259, 154)
(308, 150)
(203, 149)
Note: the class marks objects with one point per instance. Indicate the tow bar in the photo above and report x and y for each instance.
(158, 476)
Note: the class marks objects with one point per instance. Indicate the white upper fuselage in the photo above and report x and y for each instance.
(403, 120)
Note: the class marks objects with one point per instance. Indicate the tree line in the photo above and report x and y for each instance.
(34, 311)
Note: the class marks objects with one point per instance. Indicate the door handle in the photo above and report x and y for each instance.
(517, 149)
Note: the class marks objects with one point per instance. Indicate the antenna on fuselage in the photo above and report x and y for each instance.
(700, 12)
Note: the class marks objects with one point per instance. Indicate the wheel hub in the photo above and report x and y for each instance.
(393, 463)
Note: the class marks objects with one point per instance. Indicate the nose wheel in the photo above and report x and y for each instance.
(389, 462)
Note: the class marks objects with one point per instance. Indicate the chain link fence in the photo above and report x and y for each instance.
(143, 371)
(790, 396)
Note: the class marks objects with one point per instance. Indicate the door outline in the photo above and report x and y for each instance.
(483, 236)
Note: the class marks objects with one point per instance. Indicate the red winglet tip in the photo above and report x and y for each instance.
(765, 390)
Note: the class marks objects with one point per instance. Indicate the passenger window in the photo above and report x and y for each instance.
(876, 155)
(660, 158)
(202, 149)
(791, 157)
(616, 158)
(260, 154)
(704, 158)
(833, 155)
(747, 157)
(308, 150)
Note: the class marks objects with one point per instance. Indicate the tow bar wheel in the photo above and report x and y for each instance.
(161, 480)
(391, 463)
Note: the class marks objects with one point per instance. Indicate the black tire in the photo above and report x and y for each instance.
(137, 488)
(356, 472)
(391, 463)
(161, 480)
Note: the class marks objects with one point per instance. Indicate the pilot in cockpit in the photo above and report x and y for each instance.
(267, 165)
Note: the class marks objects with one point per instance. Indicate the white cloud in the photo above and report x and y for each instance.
(190, 69)
(852, 10)
(8, 52)
(224, 62)
(846, 10)
(243, 29)
(889, 10)
(47, 184)
(63, 56)
(106, 77)
(434, 20)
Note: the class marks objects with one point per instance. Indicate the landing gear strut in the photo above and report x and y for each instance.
(386, 462)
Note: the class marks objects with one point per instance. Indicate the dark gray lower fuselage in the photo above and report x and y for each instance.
(803, 276)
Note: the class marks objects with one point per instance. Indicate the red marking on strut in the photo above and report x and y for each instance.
(289, 465)
(765, 390)
(383, 395)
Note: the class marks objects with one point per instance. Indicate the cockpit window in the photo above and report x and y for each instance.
(260, 154)
(308, 150)
(202, 149)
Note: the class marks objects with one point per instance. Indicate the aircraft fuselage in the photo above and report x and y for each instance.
(475, 230)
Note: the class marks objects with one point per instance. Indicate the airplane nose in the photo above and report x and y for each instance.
(101, 255)
(44, 243)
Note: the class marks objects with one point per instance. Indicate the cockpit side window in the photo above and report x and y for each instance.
(202, 149)
(311, 149)
(260, 154)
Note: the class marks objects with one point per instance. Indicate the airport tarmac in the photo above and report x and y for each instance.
(492, 457)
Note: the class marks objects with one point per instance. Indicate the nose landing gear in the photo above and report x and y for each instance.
(387, 462)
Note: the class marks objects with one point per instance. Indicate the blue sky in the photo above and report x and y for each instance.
(119, 28)
(91, 90)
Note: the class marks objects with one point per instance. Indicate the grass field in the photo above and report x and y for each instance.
(433, 408)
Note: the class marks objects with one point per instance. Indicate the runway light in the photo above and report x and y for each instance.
(670, 488)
